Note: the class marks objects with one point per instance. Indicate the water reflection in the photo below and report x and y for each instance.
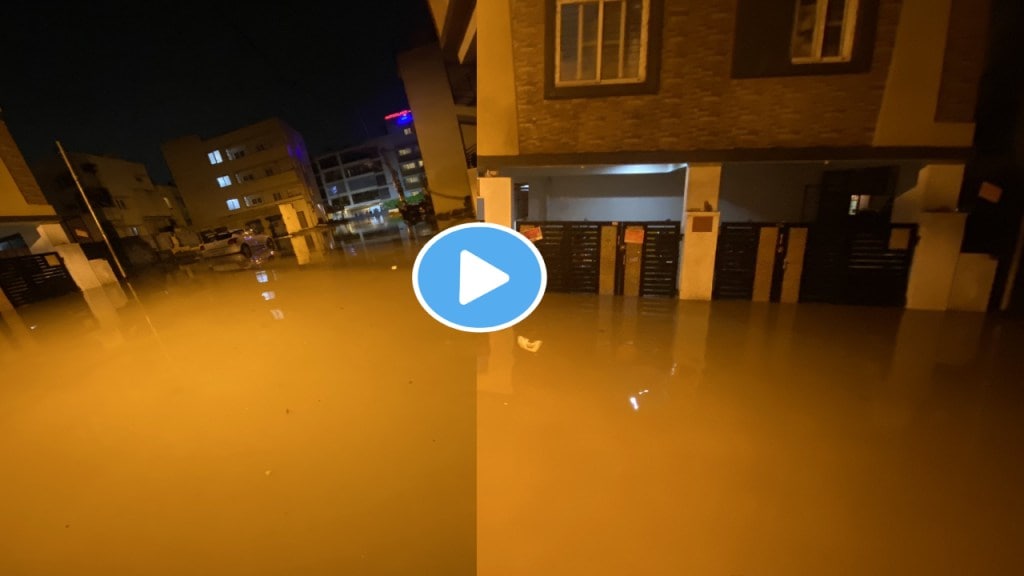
(823, 423)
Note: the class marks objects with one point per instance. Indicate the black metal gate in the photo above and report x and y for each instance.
(863, 264)
(858, 263)
(28, 279)
(736, 261)
(572, 252)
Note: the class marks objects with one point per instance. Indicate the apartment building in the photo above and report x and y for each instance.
(124, 197)
(258, 176)
(360, 179)
(791, 150)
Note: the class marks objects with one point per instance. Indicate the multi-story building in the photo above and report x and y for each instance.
(121, 193)
(805, 149)
(358, 180)
(257, 177)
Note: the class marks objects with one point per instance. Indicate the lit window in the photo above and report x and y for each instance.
(420, 163)
(253, 200)
(134, 230)
(167, 201)
(224, 181)
(823, 30)
(233, 204)
(407, 131)
(405, 151)
(215, 157)
(602, 42)
(409, 166)
(412, 179)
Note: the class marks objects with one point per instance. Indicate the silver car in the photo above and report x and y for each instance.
(225, 242)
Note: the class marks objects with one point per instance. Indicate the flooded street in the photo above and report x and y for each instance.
(274, 420)
(311, 419)
(657, 437)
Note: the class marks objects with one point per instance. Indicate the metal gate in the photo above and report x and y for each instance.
(866, 264)
(28, 279)
(863, 263)
(630, 258)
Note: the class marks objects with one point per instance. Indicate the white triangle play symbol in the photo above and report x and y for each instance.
(477, 277)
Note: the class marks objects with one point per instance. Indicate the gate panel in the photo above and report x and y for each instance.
(736, 261)
(572, 254)
(858, 264)
(660, 264)
(28, 279)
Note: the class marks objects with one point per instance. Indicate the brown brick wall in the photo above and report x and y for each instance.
(15, 162)
(964, 61)
(698, 107)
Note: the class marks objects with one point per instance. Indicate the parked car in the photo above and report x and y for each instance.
(224, 242)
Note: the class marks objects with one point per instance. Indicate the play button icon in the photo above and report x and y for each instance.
(479, 277)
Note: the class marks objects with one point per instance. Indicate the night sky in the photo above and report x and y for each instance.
(122, 80)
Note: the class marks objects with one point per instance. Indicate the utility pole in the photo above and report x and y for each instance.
(85, 198)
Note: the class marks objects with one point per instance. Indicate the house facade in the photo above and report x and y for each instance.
(758, 126)
(37, 258)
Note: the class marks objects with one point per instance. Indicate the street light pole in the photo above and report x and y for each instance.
(85, 198)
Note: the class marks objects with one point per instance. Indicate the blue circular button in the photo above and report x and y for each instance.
(479, 277)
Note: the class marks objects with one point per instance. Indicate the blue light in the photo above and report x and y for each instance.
(404, 119)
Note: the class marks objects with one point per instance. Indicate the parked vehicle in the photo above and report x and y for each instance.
(225, 242)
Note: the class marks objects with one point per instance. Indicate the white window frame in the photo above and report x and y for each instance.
(233, 204)
(224, 181)
(215, 157)
(644, 42)
(845, 44)
(253, 200)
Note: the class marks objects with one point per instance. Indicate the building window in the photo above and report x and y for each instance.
(133, 230)
(409, 166)
(121, 204)
(420, 163)
(224, 181)
(601, 42)
(407, 131)
(405, 151)
(269, 170)
(215, 157)
(253, 200)
(412, 180)
(233, 204)
(167, 201)
(277, 196)
(236, 152)
(823, 31)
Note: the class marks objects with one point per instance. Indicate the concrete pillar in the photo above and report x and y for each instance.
(932, 204)
(53, 239)
(426, 83)
(496, 193)
(700, 229)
